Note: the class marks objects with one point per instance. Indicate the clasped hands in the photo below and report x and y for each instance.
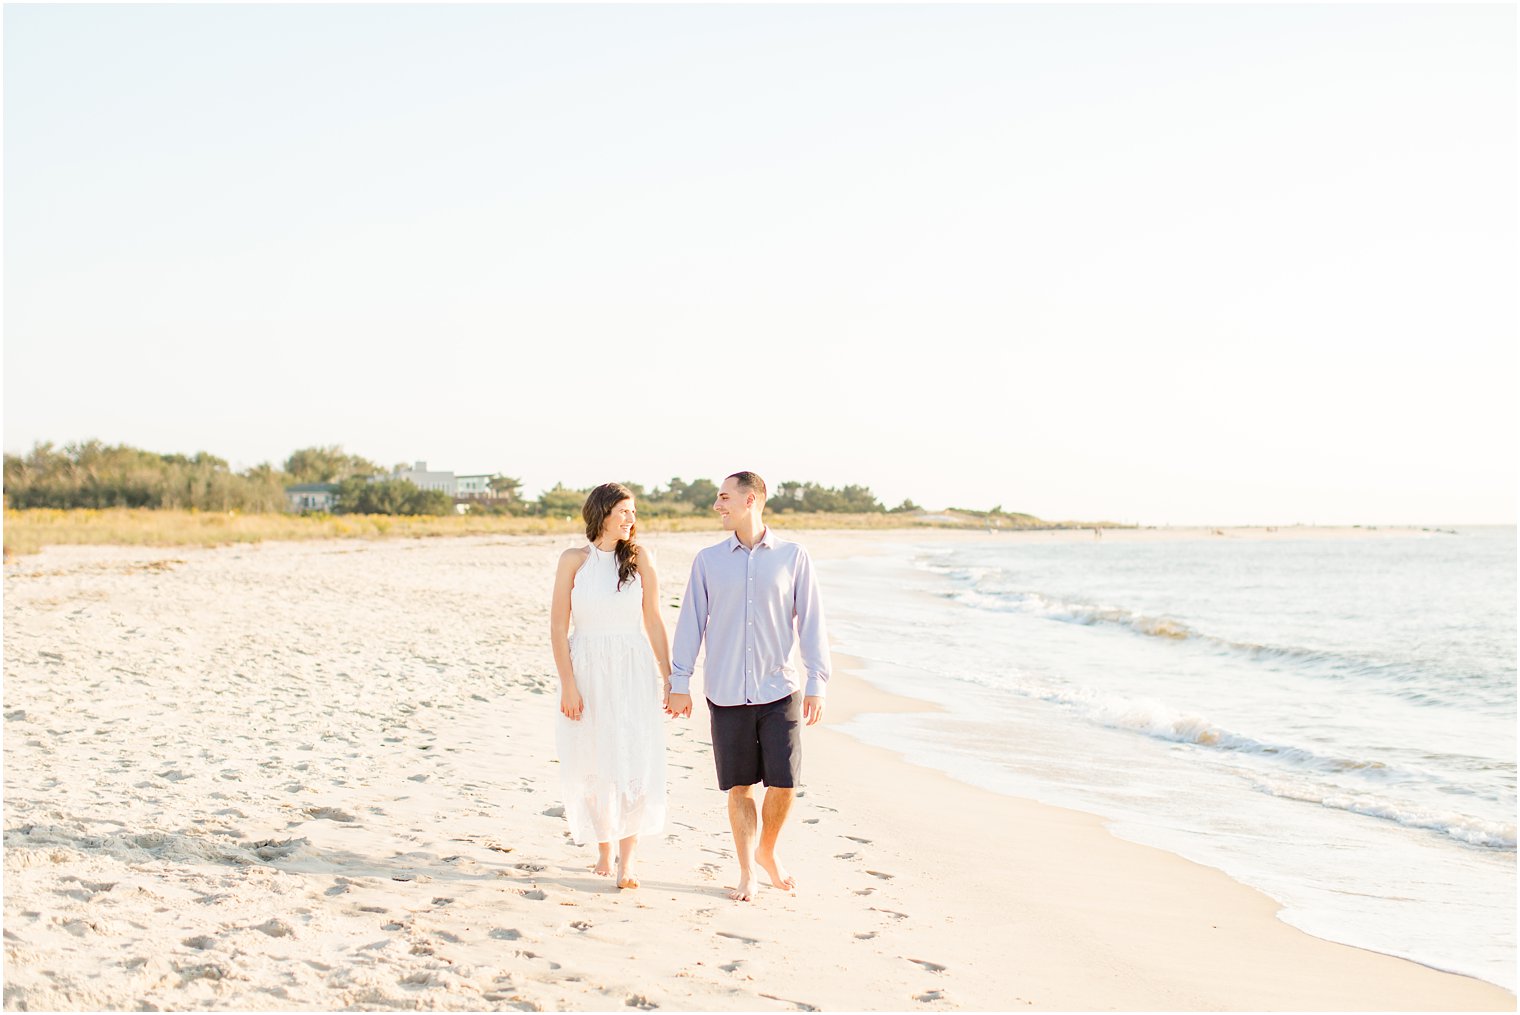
(679, 706)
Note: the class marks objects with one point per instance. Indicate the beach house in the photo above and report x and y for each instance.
(303, 497)
(474, 486)
(428, 480)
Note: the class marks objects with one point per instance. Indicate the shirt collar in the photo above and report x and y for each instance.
(768, 541)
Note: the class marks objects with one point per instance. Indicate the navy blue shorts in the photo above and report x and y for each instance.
(758, 743)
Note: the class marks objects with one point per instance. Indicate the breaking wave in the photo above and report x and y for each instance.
(1469, 830)
(1326, 664)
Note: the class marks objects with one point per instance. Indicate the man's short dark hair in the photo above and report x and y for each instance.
(750, 482)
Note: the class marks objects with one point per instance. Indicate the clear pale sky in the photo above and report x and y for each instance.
(1157, 264)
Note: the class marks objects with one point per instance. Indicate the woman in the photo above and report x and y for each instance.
(611, 730)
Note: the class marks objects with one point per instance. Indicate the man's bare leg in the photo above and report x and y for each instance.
(603, 859)
(625, 876)
(778, 803)
(742, 818)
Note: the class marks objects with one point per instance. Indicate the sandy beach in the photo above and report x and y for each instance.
(321, 776)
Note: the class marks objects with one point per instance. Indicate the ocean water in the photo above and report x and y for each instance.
(1329, 720)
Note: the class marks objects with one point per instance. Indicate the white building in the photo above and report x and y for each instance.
(473, 486)
(426, 480)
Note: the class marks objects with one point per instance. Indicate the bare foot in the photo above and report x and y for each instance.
(779, 877)
(626, 878)
(603, 866)
(745, 892)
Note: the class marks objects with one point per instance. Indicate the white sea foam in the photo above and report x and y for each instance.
(1074, 612)
(1157, 719)
(1461, 827)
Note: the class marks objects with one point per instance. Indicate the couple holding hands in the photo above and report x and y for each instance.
(752, 598)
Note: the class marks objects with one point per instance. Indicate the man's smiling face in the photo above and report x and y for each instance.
(732, 503)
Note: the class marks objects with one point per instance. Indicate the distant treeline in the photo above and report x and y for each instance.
(96, 475)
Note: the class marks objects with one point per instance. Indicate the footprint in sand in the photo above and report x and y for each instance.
(810, 821)
(554, 812)
(854, 838)
(329, 813)
(864, 891)
(879, 874)
(739, 937)
(868, 935)
(273, 849)
(202, 971)
(506, 934)
(933, 967)
(640, 1002)
(580, 925)
(732, 967)
(930, 995)
(890, 912)
(845, 856)
(535, 894)
(799, 1005)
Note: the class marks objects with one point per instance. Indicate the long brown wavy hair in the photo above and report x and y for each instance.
(599, 504)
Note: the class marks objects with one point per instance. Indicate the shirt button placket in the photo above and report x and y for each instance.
(749, 630)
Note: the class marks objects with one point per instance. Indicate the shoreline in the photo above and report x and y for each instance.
(335, 788)
(1196, 900)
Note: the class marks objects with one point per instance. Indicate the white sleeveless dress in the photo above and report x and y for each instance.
(612, 762)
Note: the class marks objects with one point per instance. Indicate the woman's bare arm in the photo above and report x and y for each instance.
(570, 701)
(654, 620)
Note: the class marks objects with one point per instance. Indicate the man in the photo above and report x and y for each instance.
(753, 598)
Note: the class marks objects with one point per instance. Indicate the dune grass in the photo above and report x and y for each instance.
(29, 530)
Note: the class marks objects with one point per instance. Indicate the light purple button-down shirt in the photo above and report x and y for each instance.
(753, 607)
